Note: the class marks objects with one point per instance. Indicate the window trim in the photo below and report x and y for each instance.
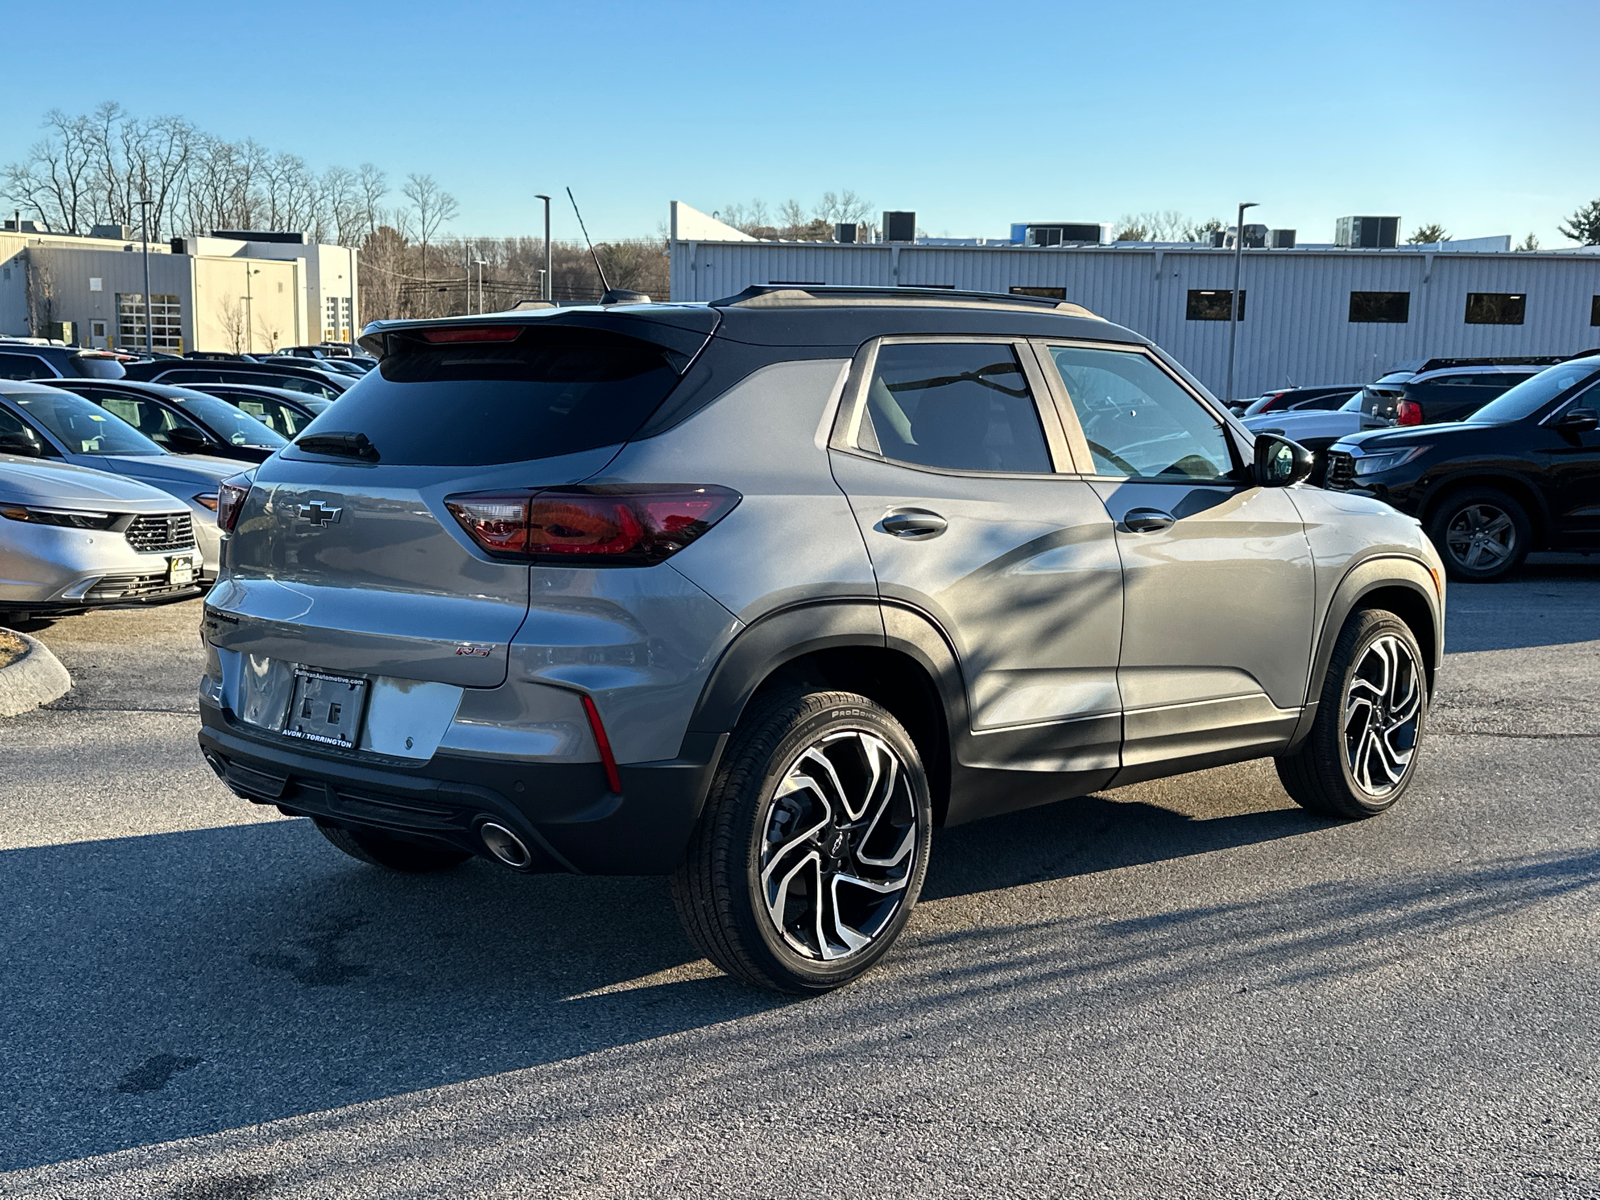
(1350, 317)
(1080, 444)
(847, 423)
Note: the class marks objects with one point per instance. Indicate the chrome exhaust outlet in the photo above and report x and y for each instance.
(505, 846)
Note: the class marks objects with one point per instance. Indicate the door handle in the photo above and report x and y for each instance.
(914, 524)
(1145, 520)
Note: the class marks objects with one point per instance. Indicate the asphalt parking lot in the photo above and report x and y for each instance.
(1183, 988)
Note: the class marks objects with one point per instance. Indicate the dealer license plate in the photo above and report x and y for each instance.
(180, 571)
(326, 708)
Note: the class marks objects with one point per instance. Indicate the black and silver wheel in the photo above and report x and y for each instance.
(1362, 750)
(812, 846)
(1482, 534)
(396, 854)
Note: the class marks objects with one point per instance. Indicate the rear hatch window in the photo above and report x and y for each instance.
(533, 392)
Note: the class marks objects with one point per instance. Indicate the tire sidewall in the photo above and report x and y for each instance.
(802, 972)
(1522, 531)
(1374, 625)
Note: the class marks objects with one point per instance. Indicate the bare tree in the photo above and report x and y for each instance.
(433, 208)
(56, 181)
(1203, 231)
(842, 208)
(1130, 229)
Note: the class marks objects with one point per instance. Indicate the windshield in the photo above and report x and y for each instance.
(232, 425)
(84, 427)
(1532, 394)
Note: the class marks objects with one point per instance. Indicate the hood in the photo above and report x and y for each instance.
(60, 485)
(1397, 436)
(162, 470)
(1308, 423)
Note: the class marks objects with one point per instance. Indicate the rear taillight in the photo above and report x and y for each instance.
(1407, 412)
(594, 526)
(231, 495)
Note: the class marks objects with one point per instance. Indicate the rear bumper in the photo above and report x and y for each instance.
(564, 812)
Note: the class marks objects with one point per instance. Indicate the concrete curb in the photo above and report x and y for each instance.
(34, 679)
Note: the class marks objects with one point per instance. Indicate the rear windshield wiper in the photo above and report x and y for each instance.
(342, 445)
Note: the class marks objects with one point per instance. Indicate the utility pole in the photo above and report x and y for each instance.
(1233, 306)
(352, 299)
(546, 287)
(144, 217)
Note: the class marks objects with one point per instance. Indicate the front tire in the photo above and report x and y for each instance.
(813, 844)
(1482, 534)
(1362, 749)
(392, 853)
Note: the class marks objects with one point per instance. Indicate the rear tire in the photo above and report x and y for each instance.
(813, 844)
(1482, 534)
(391, 853)
(1362, 750)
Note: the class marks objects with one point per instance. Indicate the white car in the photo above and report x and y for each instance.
(50, 425)
(72, 537)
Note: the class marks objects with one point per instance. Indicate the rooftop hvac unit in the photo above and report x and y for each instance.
(1367, 233)
(116, 233)
(1065, 233)
(899, 226)
(1280, 239)
(845, 232)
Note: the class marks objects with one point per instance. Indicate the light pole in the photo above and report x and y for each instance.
(1233, 300)
(144, 219)
(480, 262)
(545, 287)
(250, 310)
(352, 299)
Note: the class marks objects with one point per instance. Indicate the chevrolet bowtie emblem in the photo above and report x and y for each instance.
(317, 515)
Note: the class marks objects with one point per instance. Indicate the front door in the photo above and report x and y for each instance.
(1217, 572)
(961, 485)
(1572, 463)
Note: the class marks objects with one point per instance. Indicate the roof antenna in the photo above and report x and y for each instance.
(604, 282)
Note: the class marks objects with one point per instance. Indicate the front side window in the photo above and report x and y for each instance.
(1138, 422)
(25, 366)
(1496, 308)
(12, 427)
(954, 406)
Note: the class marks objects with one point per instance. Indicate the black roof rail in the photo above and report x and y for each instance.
(788, 295)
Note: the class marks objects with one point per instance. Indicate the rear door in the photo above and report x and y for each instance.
(968, 501)
(1217, 572)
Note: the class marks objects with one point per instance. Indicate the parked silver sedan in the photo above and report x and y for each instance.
(72, 537)
(46, 423)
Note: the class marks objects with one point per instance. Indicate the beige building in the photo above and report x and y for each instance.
(254, 292)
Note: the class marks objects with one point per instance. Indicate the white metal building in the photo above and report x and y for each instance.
(1309, 315)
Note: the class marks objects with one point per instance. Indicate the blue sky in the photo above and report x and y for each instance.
(1478, 116)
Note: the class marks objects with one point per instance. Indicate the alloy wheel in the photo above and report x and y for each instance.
(839, 844)
(1382, 715)
(1481, 537)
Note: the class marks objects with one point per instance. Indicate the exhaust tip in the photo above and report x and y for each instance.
(505, 846)
(216, 763)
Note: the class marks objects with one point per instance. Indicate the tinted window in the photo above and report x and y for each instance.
(1138, 421)
(1213, 305)
(1382, 308)
(147, 417)
(12, 426)
(1594, 311)
(554, 390)
(232, 425)
(25, 366)
(274, 414)
(1529, 396)
(957, 406)
(1322, 402)
(1496, 308)
(84, 427)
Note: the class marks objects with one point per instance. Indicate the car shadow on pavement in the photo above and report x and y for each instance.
(172, 985)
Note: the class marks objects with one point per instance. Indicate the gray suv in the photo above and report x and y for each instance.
(757, 593)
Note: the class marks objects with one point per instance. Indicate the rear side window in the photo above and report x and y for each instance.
(955, 406)
(551, 391)
(25, 366)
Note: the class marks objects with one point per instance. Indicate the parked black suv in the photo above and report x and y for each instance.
(32, 358)
(1520, 474)
(290, 376)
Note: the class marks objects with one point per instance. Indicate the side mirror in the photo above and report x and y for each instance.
(20, 444)
(1577, 420)
(1281, 462)
(187, 440)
